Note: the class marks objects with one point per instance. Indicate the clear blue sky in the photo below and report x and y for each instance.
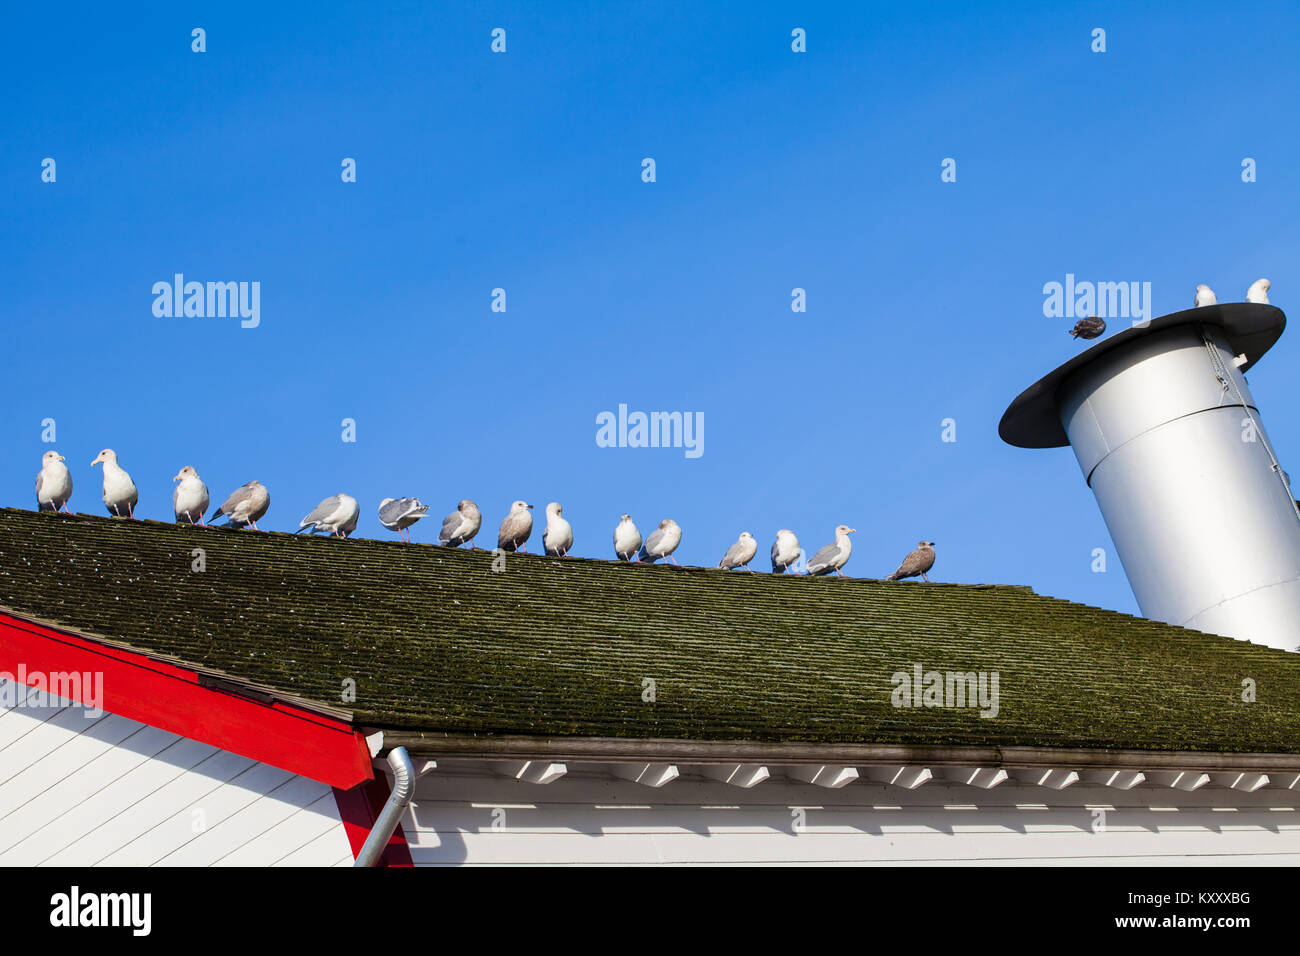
(522, 170)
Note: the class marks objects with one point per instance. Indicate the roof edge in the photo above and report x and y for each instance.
(613, 749)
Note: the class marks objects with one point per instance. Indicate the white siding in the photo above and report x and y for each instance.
(590, 817)
(77, 790)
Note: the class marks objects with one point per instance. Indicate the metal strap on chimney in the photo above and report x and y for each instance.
(1223, 375)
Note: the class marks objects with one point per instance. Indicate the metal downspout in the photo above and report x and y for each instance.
(398, 801)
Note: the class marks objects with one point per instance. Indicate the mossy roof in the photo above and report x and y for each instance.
(436, 640)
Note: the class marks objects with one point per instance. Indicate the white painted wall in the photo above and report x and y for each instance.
(76, 790)
(588, 816)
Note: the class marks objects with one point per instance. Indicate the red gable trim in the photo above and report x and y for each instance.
(170, 698)
(359, 809)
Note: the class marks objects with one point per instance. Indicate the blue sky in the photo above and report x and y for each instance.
(522, 171)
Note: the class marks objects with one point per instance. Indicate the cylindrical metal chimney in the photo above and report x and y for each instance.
(1170, 440)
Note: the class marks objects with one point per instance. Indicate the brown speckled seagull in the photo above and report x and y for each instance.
(918, 562)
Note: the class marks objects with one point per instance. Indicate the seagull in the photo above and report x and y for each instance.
(833, 556)
(558, 537)
(190, 497)
(662, 542)
(398, 514)
(1088, 328)
(1258, 291)
(461, 525)
(785, 550)
(53, 483)
(918, 562)
(245, 506)
(626, 539)
(1204, 296)
(515, 529)
(741, 553)
(336, 515)
(119, 490)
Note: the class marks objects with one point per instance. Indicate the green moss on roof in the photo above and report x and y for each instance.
(437, 641)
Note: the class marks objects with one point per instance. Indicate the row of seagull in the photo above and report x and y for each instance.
(337, 515)
(1093, 326)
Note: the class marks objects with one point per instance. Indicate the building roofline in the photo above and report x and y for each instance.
(686, 752)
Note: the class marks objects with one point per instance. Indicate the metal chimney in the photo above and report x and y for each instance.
(1170, 440)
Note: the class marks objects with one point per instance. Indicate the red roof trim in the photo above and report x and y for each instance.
(169, 697)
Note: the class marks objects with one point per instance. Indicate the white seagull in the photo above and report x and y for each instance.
(53, 483)
(785, 550)
(741, 553)
(245, 506)
(120, 495)
(1204, 296)
(834, 556)
(398, 514)
(558, 537)
(1258, 291)
(190, 499)
(461, 525)
(336, 515)
(663, 541)
(626, 539)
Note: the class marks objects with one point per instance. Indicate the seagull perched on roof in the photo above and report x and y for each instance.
(1258, 291)
(53, 483)
(557, 539)
(398, 514)
(663, 541)
(336, 515)
(835, 555)
(120, 495)
(1088, 328)
(741, 553)
(515, 528)
(626, 539)
(785, 550)
(918, 562)
(1204, 296)
(245, 506)
(461, 525)
(190, 499)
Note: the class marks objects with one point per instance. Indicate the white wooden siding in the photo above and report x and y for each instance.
(590, 817)
(77, 790)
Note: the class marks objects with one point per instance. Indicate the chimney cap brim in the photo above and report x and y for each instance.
(1033, 420)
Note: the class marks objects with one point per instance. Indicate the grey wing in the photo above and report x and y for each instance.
(176, 500)
(391, 512)
(825, 555)
(450, 526)
(652, 543)
(40, 482)
(322, 511)
(237, 497)
(776, 552)
(732, 557)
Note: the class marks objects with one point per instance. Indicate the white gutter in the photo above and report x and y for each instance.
(398, 801)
